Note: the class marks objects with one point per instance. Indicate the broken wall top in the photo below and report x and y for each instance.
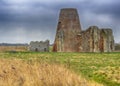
(69, 19)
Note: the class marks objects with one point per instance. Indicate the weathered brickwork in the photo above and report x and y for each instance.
(70, 37)
(67, 30)
(97, 40)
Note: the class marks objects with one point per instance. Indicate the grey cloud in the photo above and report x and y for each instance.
(39, 19)
(106, 8)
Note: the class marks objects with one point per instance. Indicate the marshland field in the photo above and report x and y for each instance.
(23, 68)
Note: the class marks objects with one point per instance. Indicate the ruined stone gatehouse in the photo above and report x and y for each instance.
(42, 46)
(71, 38)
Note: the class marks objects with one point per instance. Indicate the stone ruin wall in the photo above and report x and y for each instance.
(70, 37)
(68, 26)
(97, 40)
(42, 46)
(108, 40)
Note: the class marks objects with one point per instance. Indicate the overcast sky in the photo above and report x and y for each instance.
(22, 21)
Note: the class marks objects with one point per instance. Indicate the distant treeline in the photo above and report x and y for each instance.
(117, 46)
(13, 44)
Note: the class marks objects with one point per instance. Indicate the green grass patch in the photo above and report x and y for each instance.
(100, 67)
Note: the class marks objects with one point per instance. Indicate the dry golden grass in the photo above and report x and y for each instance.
(13, 48)
(16, 72)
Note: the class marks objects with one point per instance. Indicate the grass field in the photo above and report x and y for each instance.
(103, 68)
(13, 48)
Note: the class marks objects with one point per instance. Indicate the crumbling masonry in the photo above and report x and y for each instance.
(70, 37)
(42, 46)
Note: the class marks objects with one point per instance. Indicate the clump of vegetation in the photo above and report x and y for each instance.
(17, 72)
(109, 73)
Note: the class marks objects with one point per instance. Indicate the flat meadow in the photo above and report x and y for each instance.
(59, 69)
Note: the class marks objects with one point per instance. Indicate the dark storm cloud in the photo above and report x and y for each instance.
(37, 19)
(34, 14)
(110, 9)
